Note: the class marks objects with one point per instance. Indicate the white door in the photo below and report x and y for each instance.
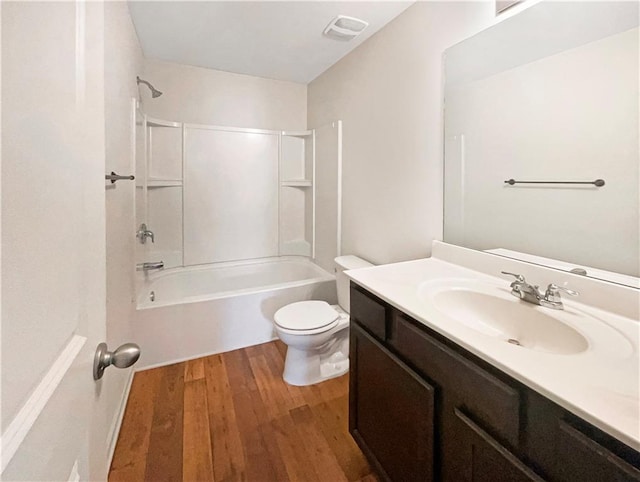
(53, 240)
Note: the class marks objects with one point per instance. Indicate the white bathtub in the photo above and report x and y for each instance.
(203, 310)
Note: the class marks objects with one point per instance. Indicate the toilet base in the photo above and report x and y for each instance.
(303, 368)
(308, 366)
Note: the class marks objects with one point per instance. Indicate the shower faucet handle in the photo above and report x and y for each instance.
(144, 233)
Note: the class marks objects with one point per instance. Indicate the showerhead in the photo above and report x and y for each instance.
(154, 92)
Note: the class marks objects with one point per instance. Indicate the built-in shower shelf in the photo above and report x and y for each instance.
(297, 133)
(151, 122)
(297, 183)
(151, 183)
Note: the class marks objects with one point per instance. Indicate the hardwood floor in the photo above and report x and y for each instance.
(231, 417)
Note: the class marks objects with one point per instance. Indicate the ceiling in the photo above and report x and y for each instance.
(277, 40)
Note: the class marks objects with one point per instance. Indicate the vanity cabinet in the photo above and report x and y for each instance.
(423, 408)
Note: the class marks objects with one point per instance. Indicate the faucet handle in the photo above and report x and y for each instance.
(143, 233)
(519, 278)
(553, 292)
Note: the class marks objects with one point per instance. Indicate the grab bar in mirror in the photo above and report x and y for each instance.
(597, 182)
(113, 177)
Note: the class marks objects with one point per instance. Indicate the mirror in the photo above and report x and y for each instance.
(533, 105)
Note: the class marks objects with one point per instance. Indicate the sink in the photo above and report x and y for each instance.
(492, 311)
(512, 321)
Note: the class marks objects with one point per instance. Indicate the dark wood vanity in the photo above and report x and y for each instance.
(423, 408)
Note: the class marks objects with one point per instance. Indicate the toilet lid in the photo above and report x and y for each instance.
(306, 315)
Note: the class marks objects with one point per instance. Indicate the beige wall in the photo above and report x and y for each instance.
(388, 94)
(123, 61)
(206, 96)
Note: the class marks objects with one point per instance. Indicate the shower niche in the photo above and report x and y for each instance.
(297, 196)
(159, 191)
(216, 194)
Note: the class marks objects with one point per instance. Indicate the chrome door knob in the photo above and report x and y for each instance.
(122, 357)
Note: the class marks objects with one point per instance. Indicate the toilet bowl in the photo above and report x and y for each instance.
(316, 333)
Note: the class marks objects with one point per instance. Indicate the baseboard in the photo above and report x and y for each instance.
(200, 355)
(117, 421)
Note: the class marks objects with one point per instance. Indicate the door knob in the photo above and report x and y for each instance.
(122, 357)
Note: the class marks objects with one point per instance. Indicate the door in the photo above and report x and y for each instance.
(481, 458)
(53, 240)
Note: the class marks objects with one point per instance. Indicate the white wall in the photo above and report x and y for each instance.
(123, 61)
(205, 96)
(230, 196)
(388, 94)
(570, 116)
(327, 187)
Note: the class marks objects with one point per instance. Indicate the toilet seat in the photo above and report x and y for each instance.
(307, 316)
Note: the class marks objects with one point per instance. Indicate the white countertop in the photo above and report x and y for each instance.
(601, 384)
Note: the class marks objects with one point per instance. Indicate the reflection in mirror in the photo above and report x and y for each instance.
(550, 94)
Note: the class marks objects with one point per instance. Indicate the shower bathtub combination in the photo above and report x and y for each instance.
(189, 312)
(232, 217)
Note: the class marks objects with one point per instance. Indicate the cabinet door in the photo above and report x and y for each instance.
(584, 459)
(391, 412)
(479, 457)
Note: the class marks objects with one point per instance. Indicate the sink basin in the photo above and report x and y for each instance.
(503, 316)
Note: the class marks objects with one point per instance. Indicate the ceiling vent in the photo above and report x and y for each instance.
(345, 28)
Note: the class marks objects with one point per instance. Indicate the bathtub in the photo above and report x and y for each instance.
(186, 313)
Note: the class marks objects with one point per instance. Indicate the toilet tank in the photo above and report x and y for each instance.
(344, 263)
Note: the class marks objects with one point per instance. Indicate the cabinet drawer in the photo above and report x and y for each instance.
(490, 400)
(369, 312)
(584, 459)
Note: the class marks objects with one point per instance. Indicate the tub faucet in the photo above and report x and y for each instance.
(531, 293)
(149, 266)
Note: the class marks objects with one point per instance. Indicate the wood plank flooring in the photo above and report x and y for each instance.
(231, 417)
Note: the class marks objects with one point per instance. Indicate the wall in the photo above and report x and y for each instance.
(123, 61)
(569, 116)
(232, 178)
(205, 96)
(388, 94)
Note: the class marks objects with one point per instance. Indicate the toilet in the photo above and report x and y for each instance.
(317, 333)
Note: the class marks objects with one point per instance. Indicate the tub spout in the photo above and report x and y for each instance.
(149, 266)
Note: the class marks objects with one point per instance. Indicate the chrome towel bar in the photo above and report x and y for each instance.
(113, 177)
(597, 182)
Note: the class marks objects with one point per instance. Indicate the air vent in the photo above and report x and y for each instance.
(345, 28)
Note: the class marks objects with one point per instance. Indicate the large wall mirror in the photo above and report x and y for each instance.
(537, 109)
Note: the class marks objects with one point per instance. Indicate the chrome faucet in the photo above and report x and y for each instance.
(144, 233)
(149, 266)
(531, 293)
